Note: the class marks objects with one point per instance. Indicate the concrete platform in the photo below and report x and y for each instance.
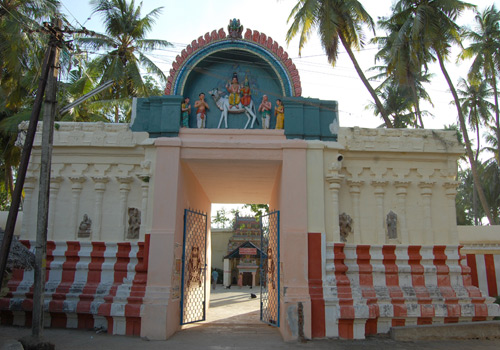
(232, 323)
(463, 330)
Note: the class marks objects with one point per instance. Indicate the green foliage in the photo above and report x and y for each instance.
(221, 220)
(258, 209)
(469, 212)
(123, 48)
(336, 21)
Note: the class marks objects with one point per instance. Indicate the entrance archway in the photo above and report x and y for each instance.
(227, 166)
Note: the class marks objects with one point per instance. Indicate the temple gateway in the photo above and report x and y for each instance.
(361, 234)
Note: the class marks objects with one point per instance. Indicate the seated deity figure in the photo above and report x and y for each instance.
(234, 88)
(246, 93)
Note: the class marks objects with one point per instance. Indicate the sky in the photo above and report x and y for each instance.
(181, 22)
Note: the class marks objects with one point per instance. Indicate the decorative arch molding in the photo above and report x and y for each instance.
(254, 42)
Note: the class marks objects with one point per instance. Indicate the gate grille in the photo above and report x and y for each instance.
(270, 269)
(194, 267)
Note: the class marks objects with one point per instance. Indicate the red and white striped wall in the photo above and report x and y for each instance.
(89, 285)
(485, 268)
(366, 289)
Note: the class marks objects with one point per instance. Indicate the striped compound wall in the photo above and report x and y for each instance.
(366, 289)
(485, 272)
(89, 285)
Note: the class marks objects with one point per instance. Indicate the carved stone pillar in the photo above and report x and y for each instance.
(380, 214)
(355, 191)
(401, 194)
(124, 191)
(99, 188)
(334, 179)
(76, 189)
(55, 184)
(451, 193)
(144, 206)
(426, 193)
(29, 186)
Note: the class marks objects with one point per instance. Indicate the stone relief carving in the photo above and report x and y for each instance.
(21, 136)
(392, 223)
(134, 223)
(345, 223)
(85, 228)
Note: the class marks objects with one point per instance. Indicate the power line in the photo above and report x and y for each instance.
(67, 9)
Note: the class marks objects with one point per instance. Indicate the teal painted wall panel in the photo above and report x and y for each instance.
(305, 118)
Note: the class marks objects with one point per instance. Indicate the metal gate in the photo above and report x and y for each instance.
(270, 269)
(194, 264)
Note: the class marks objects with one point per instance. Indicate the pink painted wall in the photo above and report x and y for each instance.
(293, 243)
(175, 189)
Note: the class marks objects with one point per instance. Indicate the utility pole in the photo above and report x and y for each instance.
(25, 158)
(56, 40)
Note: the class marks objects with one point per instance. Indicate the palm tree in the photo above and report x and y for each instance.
(491, 178)
(397, 103)
(475, 104)
(335, 20)
(402, 63)
(125, 45)
(430, 27)
(21, 52)
(21, 49)
(485, 49)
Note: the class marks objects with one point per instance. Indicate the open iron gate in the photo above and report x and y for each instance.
(270, 269)
(194, 264)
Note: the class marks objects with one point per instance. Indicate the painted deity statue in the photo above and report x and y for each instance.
(265, 109)
(246, 93)
(194, 266)
(234, 91)
(279, 112)
(201, 111)
(185, 111)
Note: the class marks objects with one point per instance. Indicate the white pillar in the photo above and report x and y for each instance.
(124, 191)
(99, 188)
(451, 193)
(227, 273)
(380, 214)
(55, 184)
(76, 190)
(355, 191)
(426, 193)
(401, 193)
(29, 187)
(144, 206)
(334, 179)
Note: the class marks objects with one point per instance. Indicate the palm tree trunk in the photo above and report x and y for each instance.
(468, 148)
(474, 192)
(417, 104)
(117, 116)
(497, 113)
(367, 84)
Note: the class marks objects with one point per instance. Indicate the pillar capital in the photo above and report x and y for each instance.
(77, 182)
(451, 188)
(355, 185)
(125, 182)
(426, 187)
